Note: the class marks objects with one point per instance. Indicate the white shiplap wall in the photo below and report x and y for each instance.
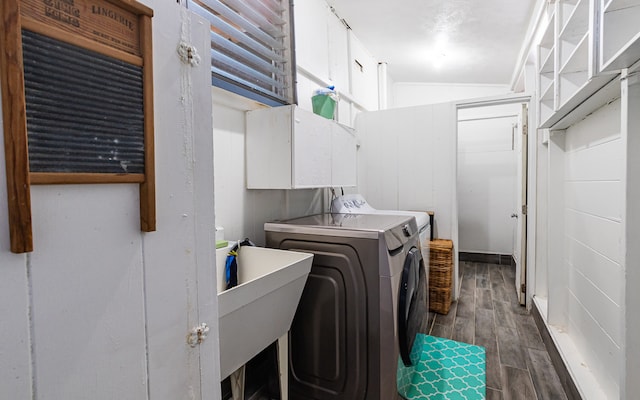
(593, 234)
(630, 385)
(407, 161)
(99, 309)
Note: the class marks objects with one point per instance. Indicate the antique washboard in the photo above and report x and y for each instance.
(77, 100)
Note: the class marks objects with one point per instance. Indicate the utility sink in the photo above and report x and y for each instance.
(260, 309)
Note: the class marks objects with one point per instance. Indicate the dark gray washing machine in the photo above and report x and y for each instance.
(364, 301)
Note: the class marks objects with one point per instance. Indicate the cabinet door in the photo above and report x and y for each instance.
(343, 161)
(311, 150)
(268, 148)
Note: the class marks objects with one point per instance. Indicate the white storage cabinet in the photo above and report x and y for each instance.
(291, 148)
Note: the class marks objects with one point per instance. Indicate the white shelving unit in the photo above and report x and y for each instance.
(574, 49)
(572, 77)
(619, 34)
(547, 71)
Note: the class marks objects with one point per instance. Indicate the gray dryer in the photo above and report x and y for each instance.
(364, 301)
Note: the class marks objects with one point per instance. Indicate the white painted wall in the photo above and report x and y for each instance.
(487, 166)
(408, 94)
(593, 236)
(98, 309)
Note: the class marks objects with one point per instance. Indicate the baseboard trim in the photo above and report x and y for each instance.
(501, 259)
(566, 380)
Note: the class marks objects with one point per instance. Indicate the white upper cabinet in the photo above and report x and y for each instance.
(310, 149)
(338, 53)
(329, 53)
(619, 34)
(343, 156)
(291, 148)
(364, 75)
(312, 37)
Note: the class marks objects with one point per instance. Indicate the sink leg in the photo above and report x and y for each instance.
(237, 384)
(283, 365)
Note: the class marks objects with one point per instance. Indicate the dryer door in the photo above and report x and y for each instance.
(411, 312)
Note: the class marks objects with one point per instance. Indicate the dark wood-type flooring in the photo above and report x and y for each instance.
(487, 314)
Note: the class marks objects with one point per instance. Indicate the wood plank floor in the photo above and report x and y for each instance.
(488, 314)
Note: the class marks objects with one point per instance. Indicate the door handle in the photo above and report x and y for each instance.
(514, 215)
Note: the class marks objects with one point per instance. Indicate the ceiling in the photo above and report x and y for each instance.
(444, 41)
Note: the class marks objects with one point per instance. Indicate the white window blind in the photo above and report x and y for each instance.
(251, 47)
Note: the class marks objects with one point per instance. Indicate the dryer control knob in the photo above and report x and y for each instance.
(406, 230)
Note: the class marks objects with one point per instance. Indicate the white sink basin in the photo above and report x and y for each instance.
(260, 309)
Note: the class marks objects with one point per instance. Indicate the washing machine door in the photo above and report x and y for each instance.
(410, 312)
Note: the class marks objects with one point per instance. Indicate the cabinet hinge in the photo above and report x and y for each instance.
(523, 288)
(524, 209)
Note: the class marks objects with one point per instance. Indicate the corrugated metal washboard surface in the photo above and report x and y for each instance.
(84, 109)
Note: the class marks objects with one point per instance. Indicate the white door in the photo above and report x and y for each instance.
(487, 171)
(520, 213)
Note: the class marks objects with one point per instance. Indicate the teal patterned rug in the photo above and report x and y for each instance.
(443, 369)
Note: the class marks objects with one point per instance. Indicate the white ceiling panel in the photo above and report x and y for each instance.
(461, 41)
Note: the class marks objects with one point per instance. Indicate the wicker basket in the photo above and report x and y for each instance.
(441, 252)
(440, 275)
(439, 300)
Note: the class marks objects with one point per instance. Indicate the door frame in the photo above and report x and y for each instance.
(523, 203)
(524, 289)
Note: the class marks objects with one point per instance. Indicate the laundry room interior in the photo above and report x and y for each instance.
(319, 199)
